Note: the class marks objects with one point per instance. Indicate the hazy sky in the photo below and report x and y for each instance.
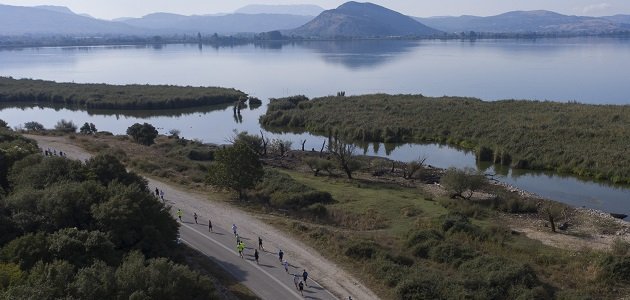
(108, 9)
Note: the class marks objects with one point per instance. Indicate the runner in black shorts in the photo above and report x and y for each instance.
(256, 255)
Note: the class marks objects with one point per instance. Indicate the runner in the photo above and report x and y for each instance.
(162, 194)
(260, 246)
(286, 266)
(210, 225)
(301, 287)
(195, 216)
(238, 239)
(296, 280)
(157, 192)
(305, 276)
(179, 214)
(280, 255)
(240, 247)
(256, 256)
(234, 229)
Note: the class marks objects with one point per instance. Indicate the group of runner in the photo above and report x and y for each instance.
(300, 280)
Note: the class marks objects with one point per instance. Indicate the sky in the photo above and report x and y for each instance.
(110, 9)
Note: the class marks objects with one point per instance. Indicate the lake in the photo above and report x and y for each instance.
(588, 70)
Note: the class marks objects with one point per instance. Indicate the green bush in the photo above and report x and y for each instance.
(361, 250)
(419, 289)
(616, 268)
(280, 191)
(451, 253)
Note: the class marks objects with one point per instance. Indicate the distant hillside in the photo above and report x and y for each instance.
(525, 21)
(619, 18)
(300, 10)
(60, 9)
(18, 20)
(354, 19)
(233, 23)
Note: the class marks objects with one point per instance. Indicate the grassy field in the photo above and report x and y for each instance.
(105, 96)
(585, 140)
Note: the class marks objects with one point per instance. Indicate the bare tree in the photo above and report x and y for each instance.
(321, 151)
(303, 143)
(344, 155)
(281, 147)
(412, 167)
(265, 142)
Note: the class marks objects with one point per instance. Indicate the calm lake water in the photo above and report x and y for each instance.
(587, 70)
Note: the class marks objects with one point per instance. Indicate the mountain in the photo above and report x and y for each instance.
(300, 10)
(618, 18)
(539, 21)
(60, 9)
(354, 19)
(233, 23)
(18, 20)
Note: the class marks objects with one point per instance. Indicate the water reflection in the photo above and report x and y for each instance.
(360, 54)
(118, 114)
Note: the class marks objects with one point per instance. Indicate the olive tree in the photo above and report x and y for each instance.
(144, 134)
(237, 168)
(462, 182)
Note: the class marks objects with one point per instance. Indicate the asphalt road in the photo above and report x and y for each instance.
(268, 279)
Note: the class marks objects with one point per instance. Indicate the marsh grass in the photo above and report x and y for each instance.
(580, 139)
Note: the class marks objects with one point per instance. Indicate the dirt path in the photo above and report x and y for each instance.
(335, 279)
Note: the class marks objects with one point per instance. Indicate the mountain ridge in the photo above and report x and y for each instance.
(540, 21)
(354, 19)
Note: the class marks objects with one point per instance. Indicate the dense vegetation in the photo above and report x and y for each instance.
(90, 230)
(105, 96)
(586, 140)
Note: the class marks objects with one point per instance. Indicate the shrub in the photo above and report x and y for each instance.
(33, 126)
(620, 247)
(419, 288)
(498, 278)
(66, 126)
(462, 183)
(361, 250)
(200, 155)
(144, 134)
(451, 253)
(615, 268)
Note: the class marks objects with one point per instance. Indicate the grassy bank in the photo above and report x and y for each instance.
(105, 96)
(585, 140)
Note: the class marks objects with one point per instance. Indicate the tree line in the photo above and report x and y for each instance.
(84, 230)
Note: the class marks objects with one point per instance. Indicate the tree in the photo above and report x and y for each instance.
(4, 124)
(144, 134)
(237, 168)
(33, 126)
(412, 167)
(280, 147)
(88, 128)
(134, 219)
(66, 126)
(258, 144)
(344, 155)
(551, 211)
(462, 183)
